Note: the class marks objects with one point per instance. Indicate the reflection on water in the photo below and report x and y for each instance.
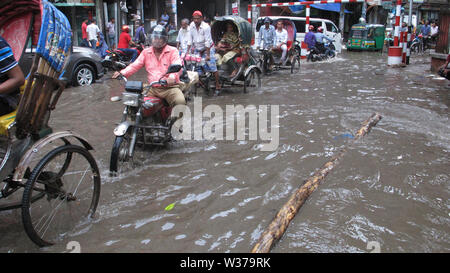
(392, 187)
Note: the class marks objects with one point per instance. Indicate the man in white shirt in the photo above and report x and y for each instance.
(281, 41)
(183, 36)
(92, 31)
(200, 40)
(434, 31)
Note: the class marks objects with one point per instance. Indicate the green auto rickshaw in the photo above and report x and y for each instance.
(366, 37)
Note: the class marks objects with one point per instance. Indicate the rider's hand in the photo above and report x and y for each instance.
(207, 58)
(170, 81)
(115, 75)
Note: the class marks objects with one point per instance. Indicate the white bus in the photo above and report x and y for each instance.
(330, 29)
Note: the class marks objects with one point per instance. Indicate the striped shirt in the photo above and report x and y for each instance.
(7, 62)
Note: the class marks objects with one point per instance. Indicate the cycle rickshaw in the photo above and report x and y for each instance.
(248, 75)
(293, 51)
(55, 184)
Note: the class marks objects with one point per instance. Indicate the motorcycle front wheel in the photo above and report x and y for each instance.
(120, 161)
(119, 153)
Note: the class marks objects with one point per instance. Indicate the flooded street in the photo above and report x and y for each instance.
(392, 187)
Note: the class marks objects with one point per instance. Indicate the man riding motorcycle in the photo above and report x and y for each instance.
(320, 41)
(125, 42)
(310, 38)
(156, 60)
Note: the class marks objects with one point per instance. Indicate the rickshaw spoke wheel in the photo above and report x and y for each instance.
(61, 194)
(295, 64)
(252, 81)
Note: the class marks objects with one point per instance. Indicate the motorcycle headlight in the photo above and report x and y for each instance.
(130, 99)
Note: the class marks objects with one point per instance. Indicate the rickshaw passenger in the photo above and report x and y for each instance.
(281, 41)
(11, 78)
(229, 47)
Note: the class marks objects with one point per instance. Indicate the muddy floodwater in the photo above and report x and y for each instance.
(392, 187)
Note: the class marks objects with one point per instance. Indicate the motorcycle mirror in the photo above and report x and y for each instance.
(174, 68)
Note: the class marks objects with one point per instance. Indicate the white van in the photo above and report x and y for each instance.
(330, 29)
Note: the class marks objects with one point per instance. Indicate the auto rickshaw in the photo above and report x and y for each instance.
(248, 75)
(366, 37)
(59, 181)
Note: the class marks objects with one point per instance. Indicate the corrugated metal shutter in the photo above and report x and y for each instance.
(442, 45)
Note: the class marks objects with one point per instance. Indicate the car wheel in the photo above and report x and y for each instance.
(83, 75)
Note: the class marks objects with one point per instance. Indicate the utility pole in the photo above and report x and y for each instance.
(363, 11)
(342, 19)
(408, 50)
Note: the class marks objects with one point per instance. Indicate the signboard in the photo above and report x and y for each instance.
(235, 8)
(374, 2)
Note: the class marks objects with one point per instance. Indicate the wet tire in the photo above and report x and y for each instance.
(264, 67)
(252, 81)
(119, 153)
(83, 75)
(207, 86)
(295, 65)
(48, 190)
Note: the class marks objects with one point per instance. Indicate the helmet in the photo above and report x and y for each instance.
(320, 29)
(267, 20)
(159, 36)
(126, 28)
(311, 27)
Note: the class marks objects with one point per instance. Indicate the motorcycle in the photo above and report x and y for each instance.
(118, 55)
(328, 51)
(146, 120)
(418, 45)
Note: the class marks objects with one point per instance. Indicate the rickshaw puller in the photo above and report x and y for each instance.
(267, 37)
(201, 41)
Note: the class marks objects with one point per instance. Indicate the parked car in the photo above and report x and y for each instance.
(82, 68)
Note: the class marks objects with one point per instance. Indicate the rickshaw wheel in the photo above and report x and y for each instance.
(252, 81)
(207, 86)
(295, 64)
(61, 194)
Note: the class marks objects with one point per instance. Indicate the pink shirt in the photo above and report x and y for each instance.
(155, 67)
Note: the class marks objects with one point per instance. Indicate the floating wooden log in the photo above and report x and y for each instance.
(281, 221)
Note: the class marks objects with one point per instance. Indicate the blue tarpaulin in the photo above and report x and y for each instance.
(336, 7)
